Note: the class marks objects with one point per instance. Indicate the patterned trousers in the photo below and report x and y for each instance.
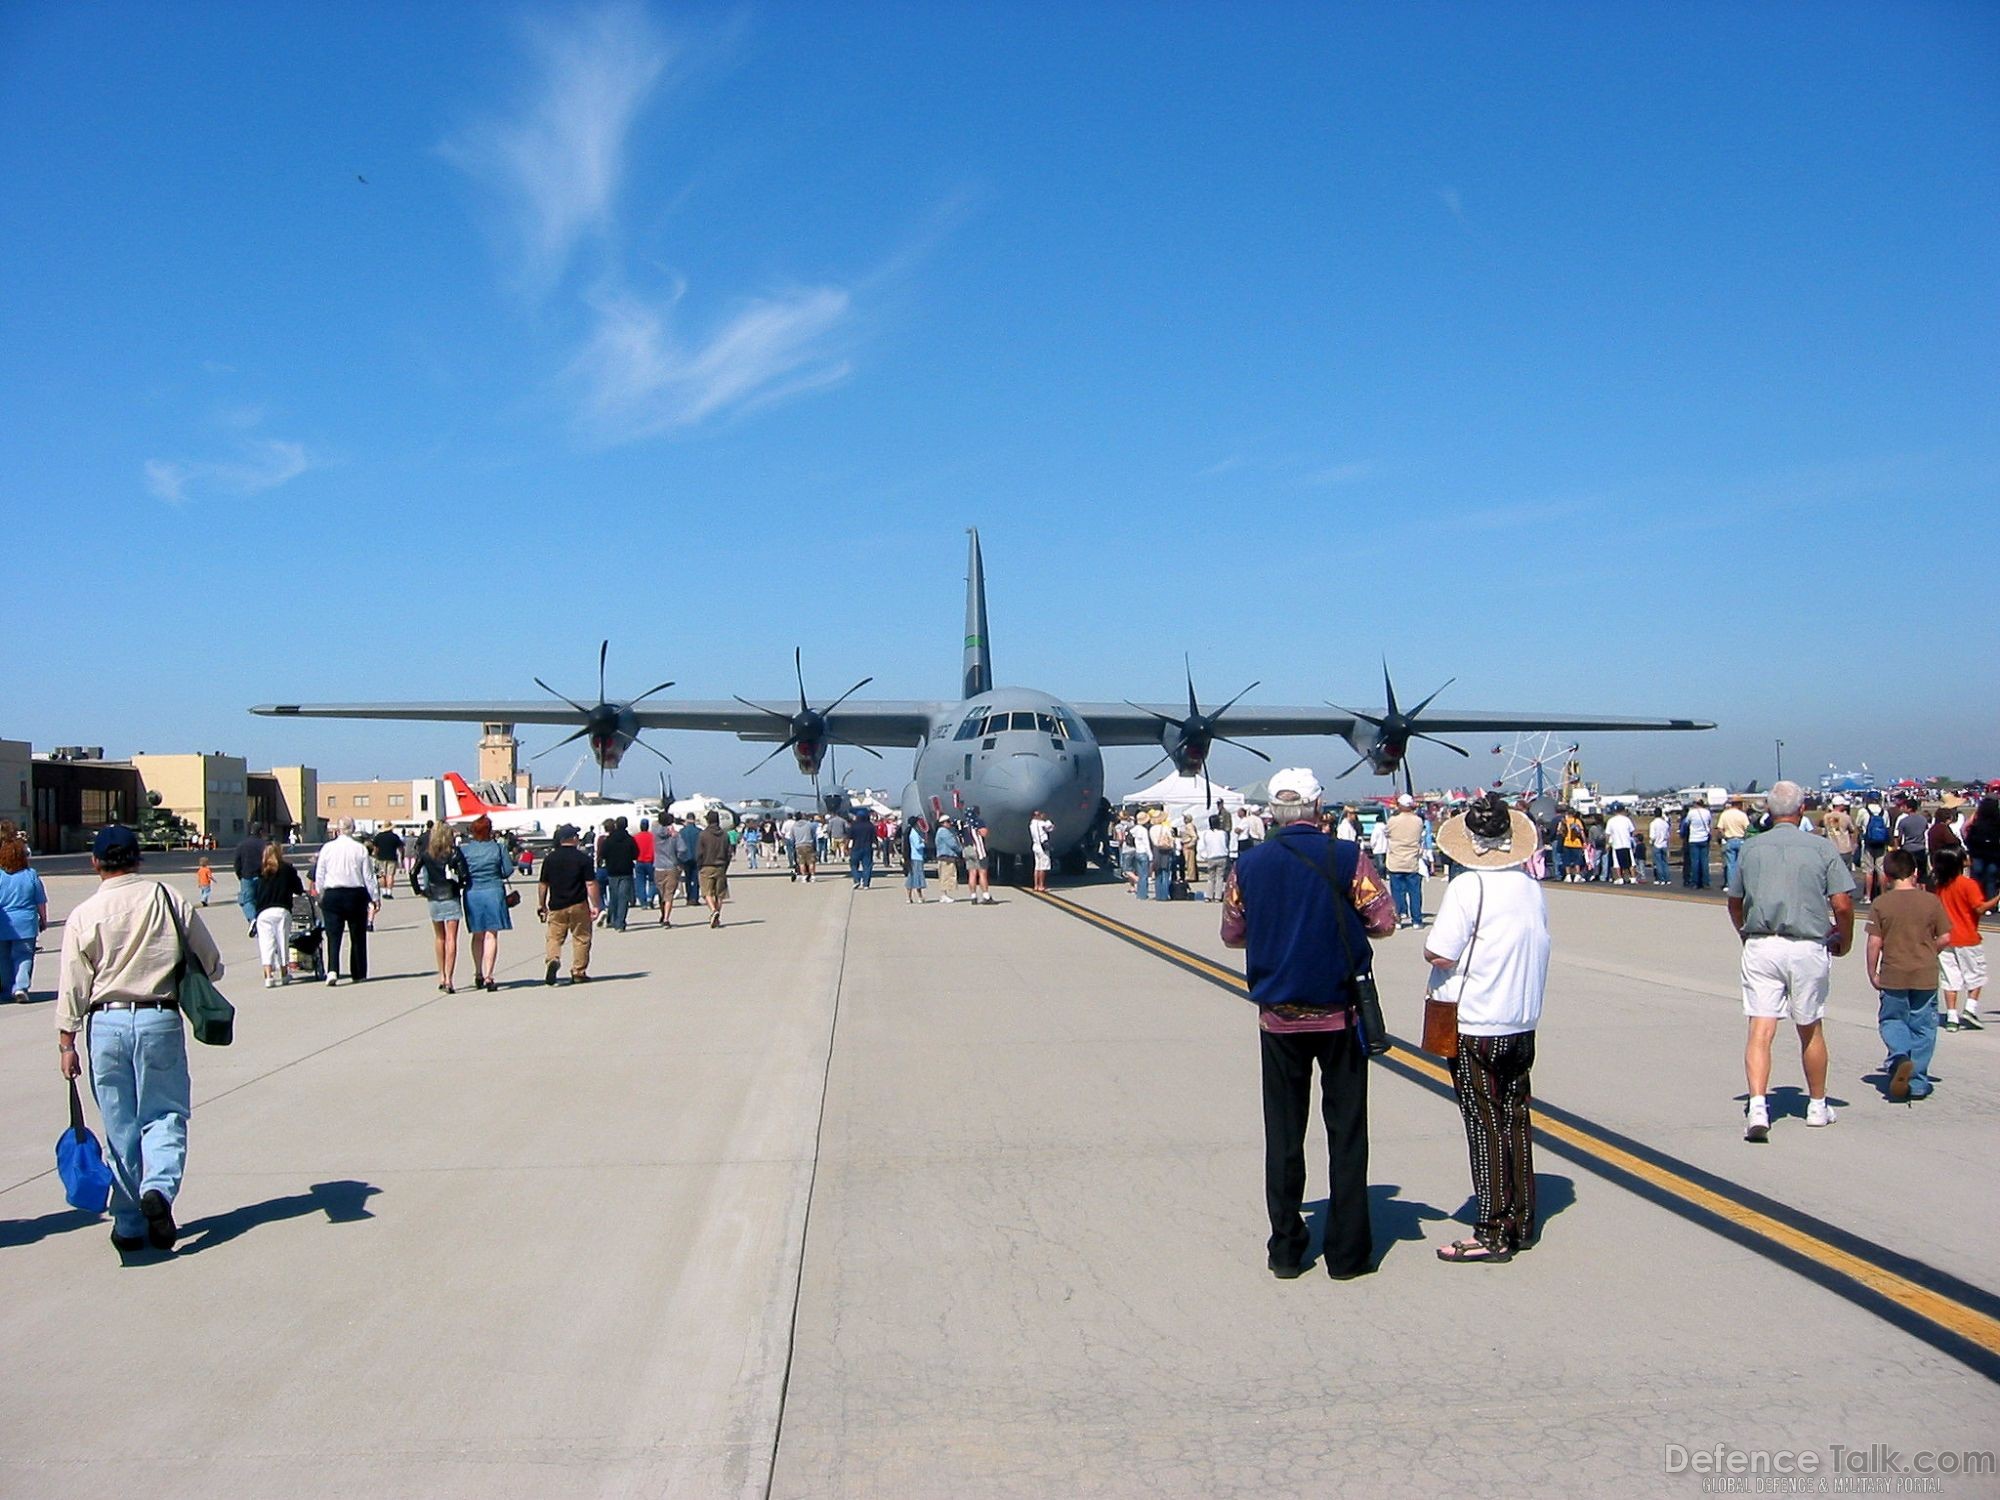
(1490, 1075)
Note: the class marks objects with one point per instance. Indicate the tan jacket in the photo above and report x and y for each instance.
(121, 945)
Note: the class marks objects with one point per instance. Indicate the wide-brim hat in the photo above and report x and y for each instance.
(1458, 844)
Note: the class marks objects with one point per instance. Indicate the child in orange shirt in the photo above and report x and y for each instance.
(204, 879)
(1962, 966)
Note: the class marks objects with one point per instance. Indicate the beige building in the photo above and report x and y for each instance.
(375, 803)
(500, 762)
(211, 791)
(16, 780)
(297, 806)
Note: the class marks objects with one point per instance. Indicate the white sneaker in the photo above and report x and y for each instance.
(332, 980)
(270, 983)
(947, 900)
(1819, 1112)
(1757, 1121)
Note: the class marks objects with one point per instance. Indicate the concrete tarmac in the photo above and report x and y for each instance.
(851, 1198)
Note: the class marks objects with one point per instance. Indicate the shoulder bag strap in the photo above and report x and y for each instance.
(75, 1112)
(180, 932)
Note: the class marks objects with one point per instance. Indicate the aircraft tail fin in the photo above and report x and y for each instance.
(978, 652)
(469, 804)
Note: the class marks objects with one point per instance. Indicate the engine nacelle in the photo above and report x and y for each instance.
(1384, 756)
(1189, 753)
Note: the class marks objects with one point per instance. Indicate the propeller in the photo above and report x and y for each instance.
(1197, 733)
(609, 726)
(807, 727)
(1395, 728)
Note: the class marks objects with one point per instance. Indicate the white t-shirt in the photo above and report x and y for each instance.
(1501, 992)
(1657, 831)
(1039, 830)
(1212, 844)
(1620, 832)
(1348, 831)
(1698, 821)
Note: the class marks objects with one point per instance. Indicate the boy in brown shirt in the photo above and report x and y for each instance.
(1907, 929)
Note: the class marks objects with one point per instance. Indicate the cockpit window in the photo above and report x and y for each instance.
(1044, 724)
(1071, 730)
(974, 723)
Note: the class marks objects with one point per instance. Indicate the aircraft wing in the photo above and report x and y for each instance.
(1122, 724)
(866, 721)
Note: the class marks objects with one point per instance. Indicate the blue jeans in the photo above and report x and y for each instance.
(1144, 869)
(1407, 887)
(17, 966)
(1662, 872)
(246, 898)
(1732, 851)
(1163, 878)
(618, 899)
(642, 884)
(861, 865)
(1697, 866)
(1908, 1021)
(139, 1073)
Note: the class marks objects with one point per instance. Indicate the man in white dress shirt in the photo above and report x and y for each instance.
(343, 882)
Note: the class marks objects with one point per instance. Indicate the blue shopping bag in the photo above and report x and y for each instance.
(86, 1179)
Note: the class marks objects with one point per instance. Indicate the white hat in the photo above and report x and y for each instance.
(1406, 800)
(1295, 784)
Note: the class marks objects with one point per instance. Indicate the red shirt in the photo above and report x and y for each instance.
(1962, 900)
(644, 839)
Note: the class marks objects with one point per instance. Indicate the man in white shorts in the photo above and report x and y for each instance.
(1039, 830)
(1792, 902)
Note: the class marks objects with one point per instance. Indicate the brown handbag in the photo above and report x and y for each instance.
(1441, 1016)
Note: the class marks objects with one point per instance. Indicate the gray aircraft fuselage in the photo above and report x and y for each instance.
(1010, 752)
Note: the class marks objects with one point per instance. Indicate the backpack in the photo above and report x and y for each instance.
(1877, 831)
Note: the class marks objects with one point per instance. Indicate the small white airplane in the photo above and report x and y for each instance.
(462, 805)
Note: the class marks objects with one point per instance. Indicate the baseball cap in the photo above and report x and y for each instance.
(116, 837)
(565, 831)
(1295, 784)
(1405, 800)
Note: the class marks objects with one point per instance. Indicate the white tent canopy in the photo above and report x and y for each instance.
(1184, 794)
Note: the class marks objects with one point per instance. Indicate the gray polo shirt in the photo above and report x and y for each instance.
(1786, 879)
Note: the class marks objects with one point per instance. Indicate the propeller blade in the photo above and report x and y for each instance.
(1234, 701)
(567, 740)
(660, 688)
(855, 745)
(1388, 688)
(845, 696)
(1364, 718)
(1163, 718)
(760, 708)
(1207, 787)
(603, 651)
(1433, 739)
(649, 749)
(1194, 708)
(799, 671)
(1226, 740)
(1409, 782)
(1352, 769)
(1155, 766)
(790, 740)
(1415, 712)
(564, 696)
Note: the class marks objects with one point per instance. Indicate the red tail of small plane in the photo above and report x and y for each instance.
(469, 803)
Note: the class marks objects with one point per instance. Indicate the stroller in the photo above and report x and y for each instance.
(308, 937)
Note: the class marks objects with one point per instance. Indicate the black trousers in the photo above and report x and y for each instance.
(1343, 1069)
(345, 907)
(1490, 1074)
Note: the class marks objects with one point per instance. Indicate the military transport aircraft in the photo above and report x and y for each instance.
(1007, 751)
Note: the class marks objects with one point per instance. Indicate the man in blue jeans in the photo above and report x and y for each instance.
(249, 859)
(1405, 858)
(119, 952)
(861, 850)
(1907, 929)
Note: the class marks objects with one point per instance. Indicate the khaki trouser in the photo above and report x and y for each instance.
(947, 875)
(571, 922)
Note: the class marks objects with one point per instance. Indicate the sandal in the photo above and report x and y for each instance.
(1474, 1252)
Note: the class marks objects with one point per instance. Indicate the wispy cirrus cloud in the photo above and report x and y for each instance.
(648, 363)
(641, 377)
(258, 465)
(558, 163)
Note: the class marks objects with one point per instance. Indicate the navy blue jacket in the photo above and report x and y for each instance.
(1294, 954)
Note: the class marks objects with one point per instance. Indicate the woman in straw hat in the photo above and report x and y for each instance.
(1489, 955)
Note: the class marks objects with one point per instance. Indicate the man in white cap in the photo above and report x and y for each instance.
(1303, 906)
(1405, 859)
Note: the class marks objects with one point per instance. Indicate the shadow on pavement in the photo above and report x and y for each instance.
(28, 1231)
(1552, 1196)
(1393, 1219)
(342, 1202)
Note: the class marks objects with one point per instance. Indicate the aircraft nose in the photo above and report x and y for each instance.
(1030, 782)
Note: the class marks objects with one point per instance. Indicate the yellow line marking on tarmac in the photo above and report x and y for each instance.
(1968, 1323)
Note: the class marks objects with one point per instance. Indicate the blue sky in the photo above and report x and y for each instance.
(1624, 359)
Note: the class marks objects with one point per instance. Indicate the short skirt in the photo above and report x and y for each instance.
(446, 909)
(486, 908)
